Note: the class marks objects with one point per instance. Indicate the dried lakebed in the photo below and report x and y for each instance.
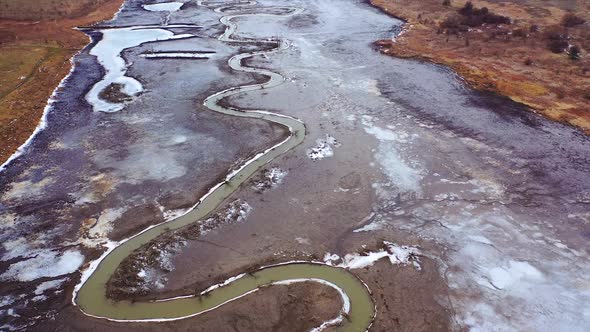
(90, 295)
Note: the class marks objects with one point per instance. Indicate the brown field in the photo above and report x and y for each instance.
(46, 9)
(511, 59)
(34, 57)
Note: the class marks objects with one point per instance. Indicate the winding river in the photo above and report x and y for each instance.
(358, 309)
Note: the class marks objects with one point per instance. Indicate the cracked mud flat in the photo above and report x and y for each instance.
(495, 198)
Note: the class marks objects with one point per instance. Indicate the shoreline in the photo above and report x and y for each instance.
(481, 72)
(18, 129)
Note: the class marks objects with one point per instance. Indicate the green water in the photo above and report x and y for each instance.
(92, 300)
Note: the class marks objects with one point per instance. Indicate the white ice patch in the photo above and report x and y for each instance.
(27, 189)
(372, 86)
(108, 53)
(39, 298)
(45, 264)
(242, 212)
(504, 274)
(401, 173)
(385, 134)
(398, 255)
(104, 223)
(47, 285)
(374, 226)
(180, 55)
(505, 277)
(15, 248)
(164, 6)
(480, 239)
(323, 149)
(303, 240)
(276, 175)
(6, 300)
(173, 214)
(331, 259)
(237, 211)
(152, 278)
(270, 178)
(179, 139)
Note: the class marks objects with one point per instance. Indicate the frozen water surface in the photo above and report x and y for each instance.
(164, 6)
(108, 52)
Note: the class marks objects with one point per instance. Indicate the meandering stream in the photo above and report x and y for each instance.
(358, 308)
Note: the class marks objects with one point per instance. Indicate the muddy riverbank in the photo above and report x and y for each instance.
(35, 58)
(513, 60)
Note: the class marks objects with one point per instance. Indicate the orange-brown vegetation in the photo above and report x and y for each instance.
(540, 58)
(34, 57)
(46, 9)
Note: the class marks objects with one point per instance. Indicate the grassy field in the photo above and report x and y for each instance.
(46, 9)
(34, 57)
(512, 59)
(17, 65)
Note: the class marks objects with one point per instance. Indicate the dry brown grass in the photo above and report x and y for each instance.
(34, 57)
(512, 60)
(46, 9)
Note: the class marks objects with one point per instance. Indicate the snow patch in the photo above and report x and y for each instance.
(269, 178)
(6, 300)
(397, 255)
(39, 298)
(331, 259)
(45, 264)
(303, 240)
(504, 277)
(164, 6)
(173, 214)
(323, 149)
(108, 53)
(104, 224)
(180, 55)
(401, 172)
(52, 284)
(374, 226)
(237, 211)
(16, 248)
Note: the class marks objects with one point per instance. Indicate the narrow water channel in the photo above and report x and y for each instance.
(358, 307)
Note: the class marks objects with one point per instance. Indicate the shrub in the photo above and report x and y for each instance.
(451, 22)
(571, 20)
(555, 33)
(574, 52)
(496, 19)
(528, 62)
(475, 17)
(446, 2)
(467, 9)
(453, 25)
(557, 39)
(557, 45)
(472, 21)
(519, 33)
